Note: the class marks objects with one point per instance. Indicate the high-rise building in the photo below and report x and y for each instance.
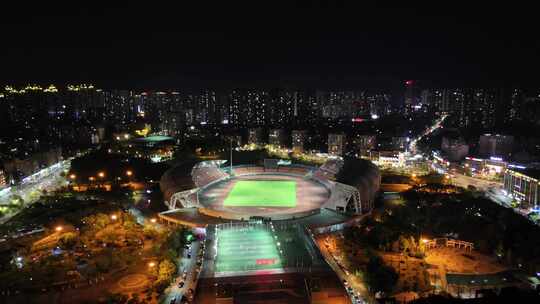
(515, 105)
(411, 94)
(495, 145)
(204, 105)
(236, 109)
(336, 143)
(379, 104)
(276, 137)
(471, 108)
(3, 179)
(282, 109)
(399, 143)
(257, 104)
(255, 136)
(298, 140)
(454, 148)
(362, 144)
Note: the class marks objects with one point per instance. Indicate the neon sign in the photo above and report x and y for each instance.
(265, 261)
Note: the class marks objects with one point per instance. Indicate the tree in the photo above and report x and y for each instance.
(134, 299)
(379, 276)
(150, 231)
(16, 200)
(68, 240)
(117, 298)
(109, 237)
(103, 262)
(97, 221)
(167, 269)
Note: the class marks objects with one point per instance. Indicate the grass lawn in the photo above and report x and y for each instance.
(253, 193)
(246, 249)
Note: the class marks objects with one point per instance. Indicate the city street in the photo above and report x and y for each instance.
(189, 265)
(358, 287)
(435, 126)
(491, 190)
(30, 188)
(464, 181)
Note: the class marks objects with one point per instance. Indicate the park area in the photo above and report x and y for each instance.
(262, 193)
(246, 248)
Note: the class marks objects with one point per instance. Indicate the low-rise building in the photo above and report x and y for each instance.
(390, 159)
(255, 136)
(492, 167)
(524, 185)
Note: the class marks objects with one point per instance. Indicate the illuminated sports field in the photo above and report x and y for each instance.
(246, 249)
(262, 193)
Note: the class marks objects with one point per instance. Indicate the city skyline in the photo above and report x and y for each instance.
(260, 154)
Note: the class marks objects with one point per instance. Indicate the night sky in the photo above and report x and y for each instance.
(289, 45)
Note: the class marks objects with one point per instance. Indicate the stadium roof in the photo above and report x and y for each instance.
(177, 179)
(192, 217)
(326, 217)
(154, 139)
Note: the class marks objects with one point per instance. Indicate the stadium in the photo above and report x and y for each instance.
(275, 190)
(259, 221)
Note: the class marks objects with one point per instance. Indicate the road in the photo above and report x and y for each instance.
(358, 287)
(184, 264)
(435, 126)
(464, 181)
(30, 188)
(491, 190)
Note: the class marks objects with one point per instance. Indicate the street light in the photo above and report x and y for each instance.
(114, 217)
(151, 264)
(129, 173)
(72, 176)
(101, 174)
(59, 228)
(153, 220)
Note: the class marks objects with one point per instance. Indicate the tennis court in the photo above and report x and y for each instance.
(246, 248)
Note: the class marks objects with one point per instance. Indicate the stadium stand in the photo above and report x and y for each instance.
(207, 172)
(328, 170)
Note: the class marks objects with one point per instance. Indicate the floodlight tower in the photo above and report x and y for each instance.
(230, 173)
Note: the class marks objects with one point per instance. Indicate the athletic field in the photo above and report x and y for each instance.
(262, 193)
(246, 249)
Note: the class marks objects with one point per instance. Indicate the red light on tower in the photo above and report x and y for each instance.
(409, 82)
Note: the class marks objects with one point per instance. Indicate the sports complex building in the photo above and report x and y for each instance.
(259, 221)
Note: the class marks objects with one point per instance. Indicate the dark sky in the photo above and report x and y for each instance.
(289, 45)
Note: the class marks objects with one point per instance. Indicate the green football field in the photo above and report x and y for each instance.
(252, 193)
(246, 249)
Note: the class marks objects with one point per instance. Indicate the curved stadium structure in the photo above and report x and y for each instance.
(271, 191)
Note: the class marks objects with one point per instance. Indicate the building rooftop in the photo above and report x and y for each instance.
(530, 172)
(499, 278)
